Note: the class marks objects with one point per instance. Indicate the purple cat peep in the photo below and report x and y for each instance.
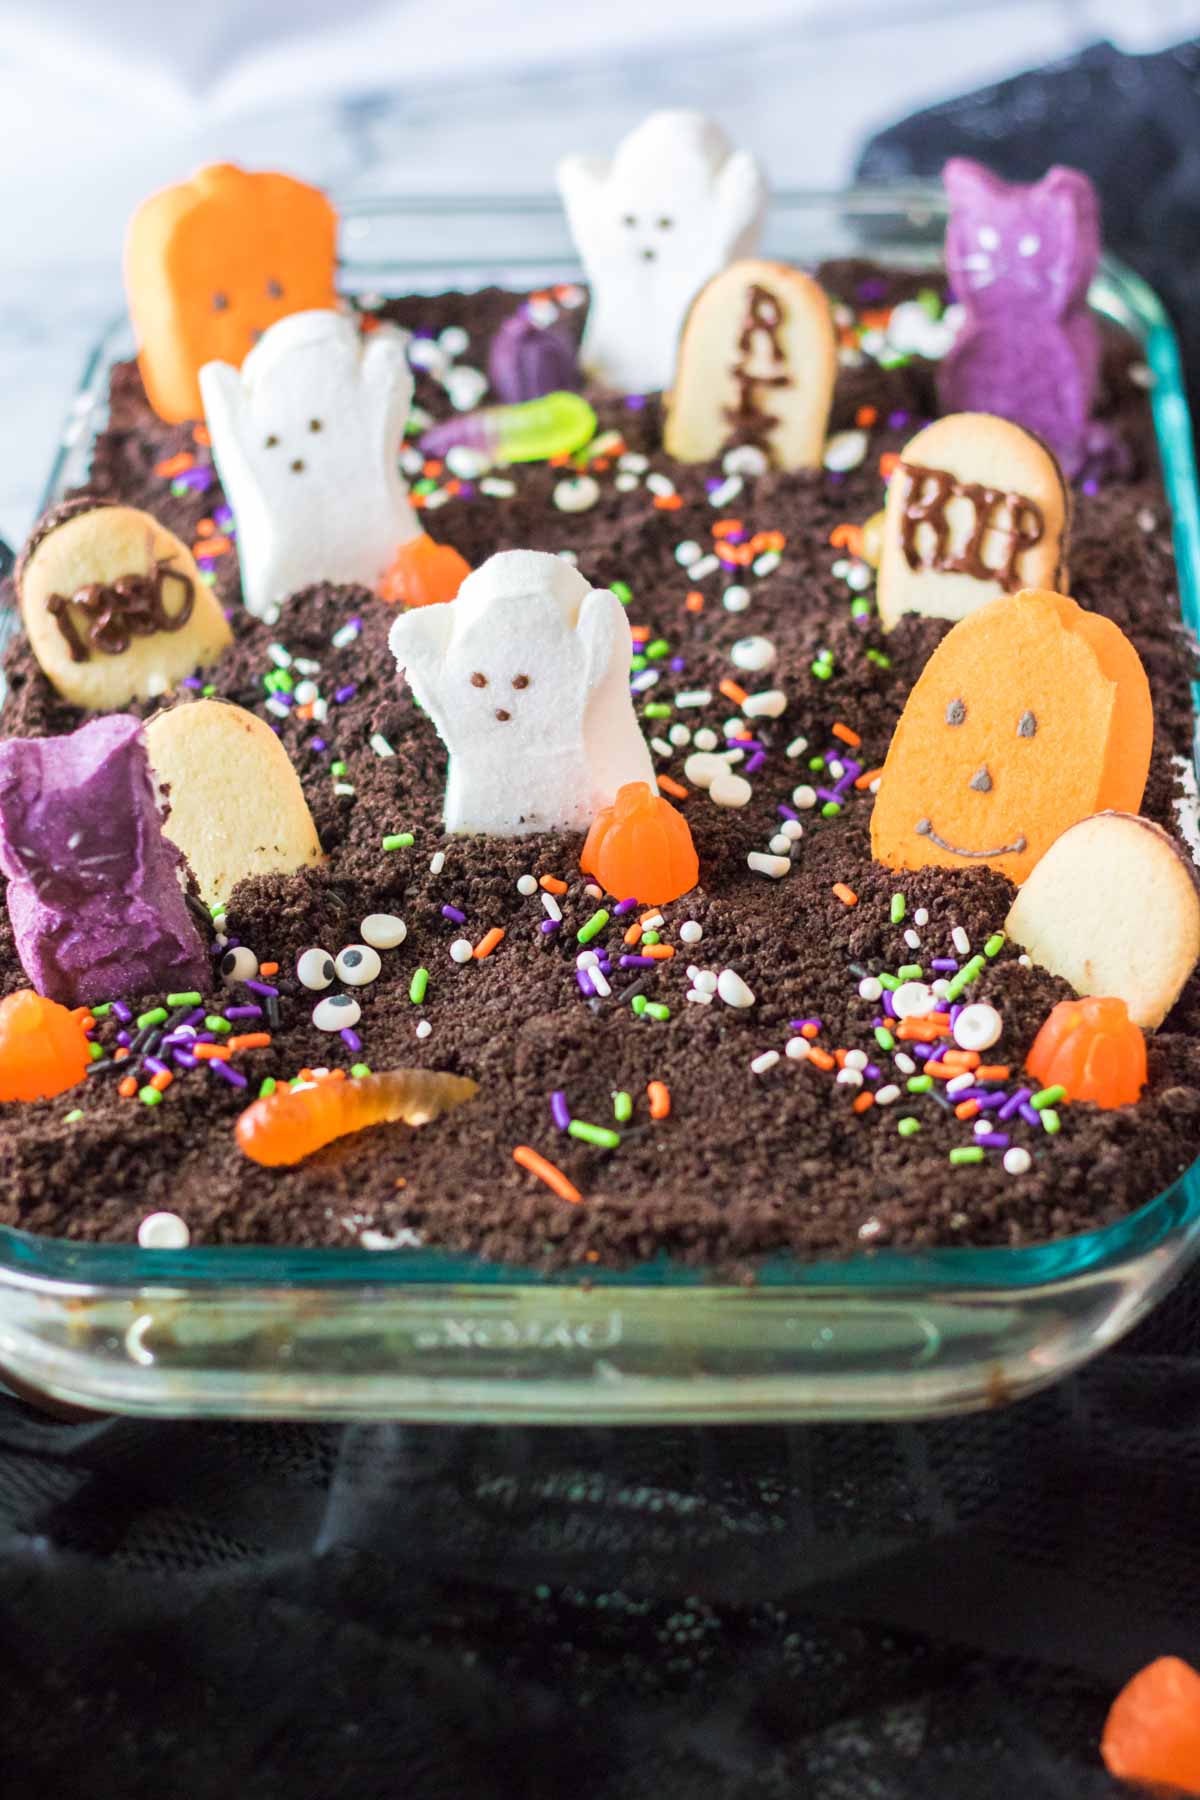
(531, 356)
(94, 893)
(1020, 260)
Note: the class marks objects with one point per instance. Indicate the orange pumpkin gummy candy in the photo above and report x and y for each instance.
(43, 1047)
(1152, 1733)
(214, 261)
(640, 848)
(291, 1123)
(423, 573)
(1093, 1049)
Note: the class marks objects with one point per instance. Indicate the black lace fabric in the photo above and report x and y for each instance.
(936, 1611)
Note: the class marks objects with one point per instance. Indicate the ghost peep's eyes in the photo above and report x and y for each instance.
(220, 302)
(274, 289)
(956, 713)
(479, 679)
(629, 219)
(1027, 725)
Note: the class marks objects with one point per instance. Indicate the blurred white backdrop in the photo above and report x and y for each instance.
(99, 104)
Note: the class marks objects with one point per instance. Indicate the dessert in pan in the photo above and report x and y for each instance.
(682, 765)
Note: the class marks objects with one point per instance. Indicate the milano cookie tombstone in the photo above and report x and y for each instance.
(976, 507)
(114, 605)
(757, 362)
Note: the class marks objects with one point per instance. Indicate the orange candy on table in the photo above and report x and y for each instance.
(1152, 1733)
(1093, 1049)
(641, 848)
(423, 573)
(290, 1124)
(43, 1047)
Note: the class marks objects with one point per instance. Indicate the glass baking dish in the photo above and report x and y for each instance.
(415, 1334)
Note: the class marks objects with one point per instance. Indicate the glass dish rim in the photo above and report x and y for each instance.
(33, 1259)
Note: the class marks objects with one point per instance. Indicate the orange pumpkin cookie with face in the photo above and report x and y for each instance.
(211, 263)
(1030, 715)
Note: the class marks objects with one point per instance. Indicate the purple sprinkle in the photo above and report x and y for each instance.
(549, 925)
(624, 906)
(317, 744)
(945, 965)
(955, 1009)
(184, 1058)
(122, 1011)
(635, 402)
(285, 699)
(233, 1076)
(453, 912)
(872, 1071)
(223, 516)
(897, 421)
(969, 1093)
(206, 565)
(755, 763)
(466, 490)
(787, 812)
(1031, 1117)
(852, 768)
(993, 1140)
(871, 288)
(748, 744)
(922, 1051)
(261, 987)
(828, 794)
(1015, 1102)
(993, 1102)
(1090, 486)
(342, 694)
(835, 478)
(559, 1108)
(736, 537)
(712, 483)
(193, 1018)
(889, 1005)
(677, 665)
(242, 1012)
(637, 962)
(585, 982)
(123, 1037)
(154, 1063)
(205, 1037)
(350, 1038)
(194, 682)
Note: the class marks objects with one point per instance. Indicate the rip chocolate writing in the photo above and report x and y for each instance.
(117, 612)
(928, 496)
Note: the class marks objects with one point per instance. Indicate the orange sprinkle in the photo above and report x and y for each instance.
(120, 1053)
(600, 462)
(432, 467)
(545, 1171)
(214, 546)
(668, 502)
(304, 712)
(453, 486)
(868, 776)
(695, 601)
(809, 1031)
(201, 436)
(268, 968)
(206, 528)
(175, 465)
(845, 894)
(966, 1109)
(945, 1071)
(488, 942)
(962, 1059)
(161, 1081)
(846, 734)
(659, 1096)
(993, 1072)
(866, 416)
(887, 464)
(249, 1040)
(739, 554)
(659, 952)
(840, 1058)
(560, 461)
(923, 1031)
(766, 540)
(863, 1103)
(822, 1059)
(847, 537)
(670, 786)
(211, 1052)
(875, 318)
(86, 1021)
(724, 527)
(634, 934)
(733, 692)
(127, 1088)
(552, 884)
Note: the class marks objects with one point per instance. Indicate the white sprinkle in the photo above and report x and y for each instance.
(454, 340)
(634, 462)
(705, 739)
(586, 959)
(304, 665)
(276, 706)
(780, 844)
(735, 728)
(342, 787)
(797, 747)
(497, 487)
(436, 500)
(412, 460)
(767, 705)
(704, 567)
(600, 983)
(961, 941)
(912, 939)
(466, 462)
(978, 1027)
(766, 1061)
(383, 931)
(859, 577)
(753, 654)
(424, 353)
(887, 1096)
(762, 864)
(982, 1126)
(1146, 519)
(698, 997)
(694, 697)
(856, 1059)
(728, 490)
(576, 494)
(345, 635)
(705, 980)
(553, 909)
(680, 736)
(745, 459)
(958, 1084)
(913, 1000)
(465, 388)
(424, 1028)
(527, 885)
(835, 768)
(904, 1063)
(283, 660)
(652, 921)
(437, 862)
(849, 1077)
(841, 567)
(729, 789)
(793, 830)
(404, 1239)
(380, 745)
(688, 552)
(733, 989)
(1026, 962)
(921, 916)
(804, 797)
(320, 711)
(735, 599)
(592, 891)
(941, 987)
(163, 1231)
(869, 988)
(461, 950)
(702, 767)
(798, 1049)
(624, 482)
(660, 484)
(869, 1228)
(690, 932)
(647, 678)
(661, 747)
(845, 450)
(1141, 375)
(1017, 1161)
(767, 563)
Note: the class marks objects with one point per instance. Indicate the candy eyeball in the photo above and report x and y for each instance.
(239, 965)
(383, 931)
(357, 965)
(337, 1012)
(315, 969)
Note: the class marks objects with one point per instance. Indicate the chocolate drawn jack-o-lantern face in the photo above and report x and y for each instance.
(1030, 715)
(211, 263)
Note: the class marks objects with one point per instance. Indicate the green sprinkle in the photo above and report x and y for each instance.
(657, 1010)
(1048, 1097)
(880, 660)
(209, 688)
(1050, 1120)
(909, 972)
(150, 1096)
(95, 1051)
(908, 1127)
(426, 485)
(600, 1135)
(155, 1016)
(658, 710)
(816, 763)
(888, 981)
(822, 671)
(70, 1118)
(884, 1038)
(919, 1084)
(650, 937)
(592, 927)
(830, 809)
(208, 577)
(860, 608)
(931, 301)
(358, 1070)
(899, 908)
(418, 985)
(214, 1022)
(660, 647)
(398, 840)
(622, 1107)
(638, 1004)
(267, 1087)
(993, 947)
(968, 1153)
(102, 1012)
(191, 998)
(337, 768)
(622, 590)
(969, 972)
(637, 663)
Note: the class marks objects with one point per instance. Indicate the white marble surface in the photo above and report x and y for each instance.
(102, 104)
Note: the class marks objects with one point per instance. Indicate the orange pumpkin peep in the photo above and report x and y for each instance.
(1093, 1049)
(423, 573)
(211, 263)
(1152, 1733)
(43, 1047)
(640, 848)
(1030, 715)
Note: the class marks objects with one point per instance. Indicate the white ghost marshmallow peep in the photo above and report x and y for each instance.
(676, 203)
(305, 436)
(526, 676)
